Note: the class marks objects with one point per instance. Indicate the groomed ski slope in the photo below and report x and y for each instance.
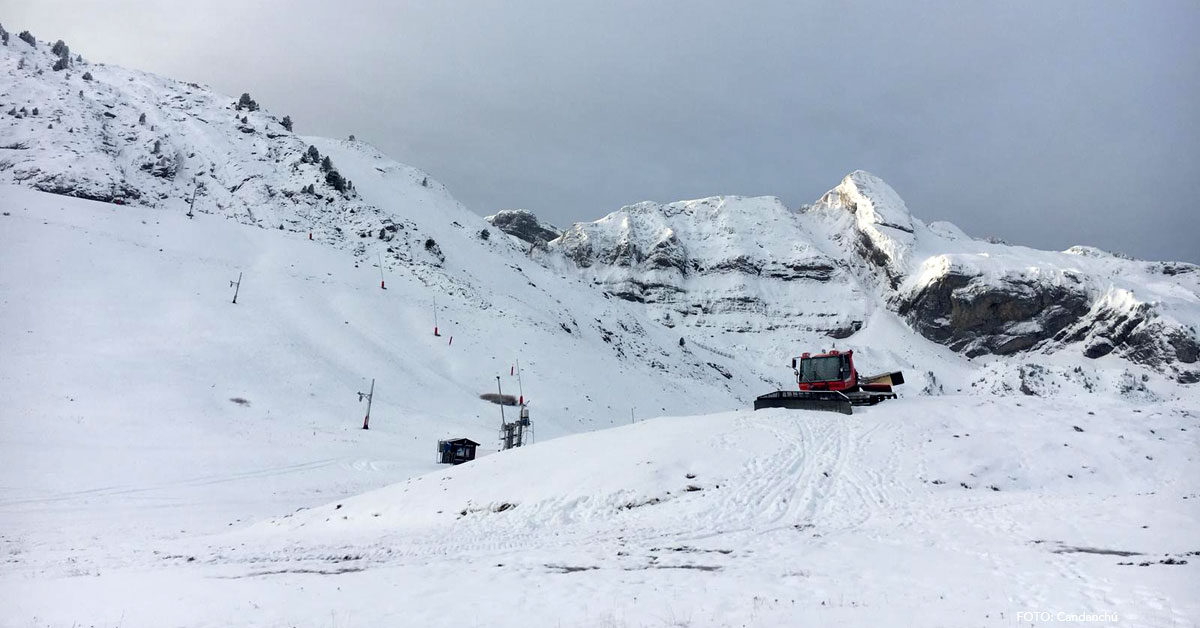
(789, 518)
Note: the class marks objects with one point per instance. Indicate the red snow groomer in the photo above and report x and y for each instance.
(829, 382)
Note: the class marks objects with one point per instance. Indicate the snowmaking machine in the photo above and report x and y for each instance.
(829, 382)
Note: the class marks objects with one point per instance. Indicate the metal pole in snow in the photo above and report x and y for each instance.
(435, 323)
(369, 396)
(520, 387)
(193, 202)
(237, 286)
(381, 284)
(501, 393)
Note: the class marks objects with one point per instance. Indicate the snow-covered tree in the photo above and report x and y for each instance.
(247, 103)
(313, 154)
(326, 164)
(335, 180)
(87, 76)
(142, 119)
(286, 122)
(26, 37)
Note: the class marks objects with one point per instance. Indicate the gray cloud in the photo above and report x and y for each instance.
(1047, 124)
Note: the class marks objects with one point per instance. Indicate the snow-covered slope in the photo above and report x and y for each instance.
(949, 511)
(258, 173)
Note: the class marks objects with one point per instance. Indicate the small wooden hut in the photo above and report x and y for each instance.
(456, 451)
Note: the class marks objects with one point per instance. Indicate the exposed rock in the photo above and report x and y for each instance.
(976, 316)
(1118, 323)
(524, 225)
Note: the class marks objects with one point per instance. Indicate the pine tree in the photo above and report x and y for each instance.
(61, 64)
(351, 137)
(335, 180)
(26, 37)
(87, 76)
(247, 103)
(21, 64)
(326, 164)
(35, 111)
(142, 119)
(60, 48)
(157, 146)
(287, 123)
(313, 155)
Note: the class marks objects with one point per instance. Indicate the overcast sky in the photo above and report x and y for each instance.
(1043, 123)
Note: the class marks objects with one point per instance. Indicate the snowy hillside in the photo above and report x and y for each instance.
(257, 172)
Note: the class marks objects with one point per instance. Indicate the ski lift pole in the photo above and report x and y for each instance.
(520, 386)
(192, 203)
(501, 393)
(237, 286)
(368, 396)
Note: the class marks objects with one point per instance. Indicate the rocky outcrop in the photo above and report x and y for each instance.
(522, 224)
(1119, 324)
(975, 316)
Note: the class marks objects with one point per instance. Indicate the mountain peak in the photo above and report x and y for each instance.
(874, 201)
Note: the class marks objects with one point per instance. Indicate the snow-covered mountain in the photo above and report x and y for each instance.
(741, 276)
(754, 268)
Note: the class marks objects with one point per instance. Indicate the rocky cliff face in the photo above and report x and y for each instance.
(978, 316)
(722, 264)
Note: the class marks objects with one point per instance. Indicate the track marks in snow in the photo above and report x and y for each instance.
(113, 491)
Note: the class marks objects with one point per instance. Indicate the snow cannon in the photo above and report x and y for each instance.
(829, 382)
